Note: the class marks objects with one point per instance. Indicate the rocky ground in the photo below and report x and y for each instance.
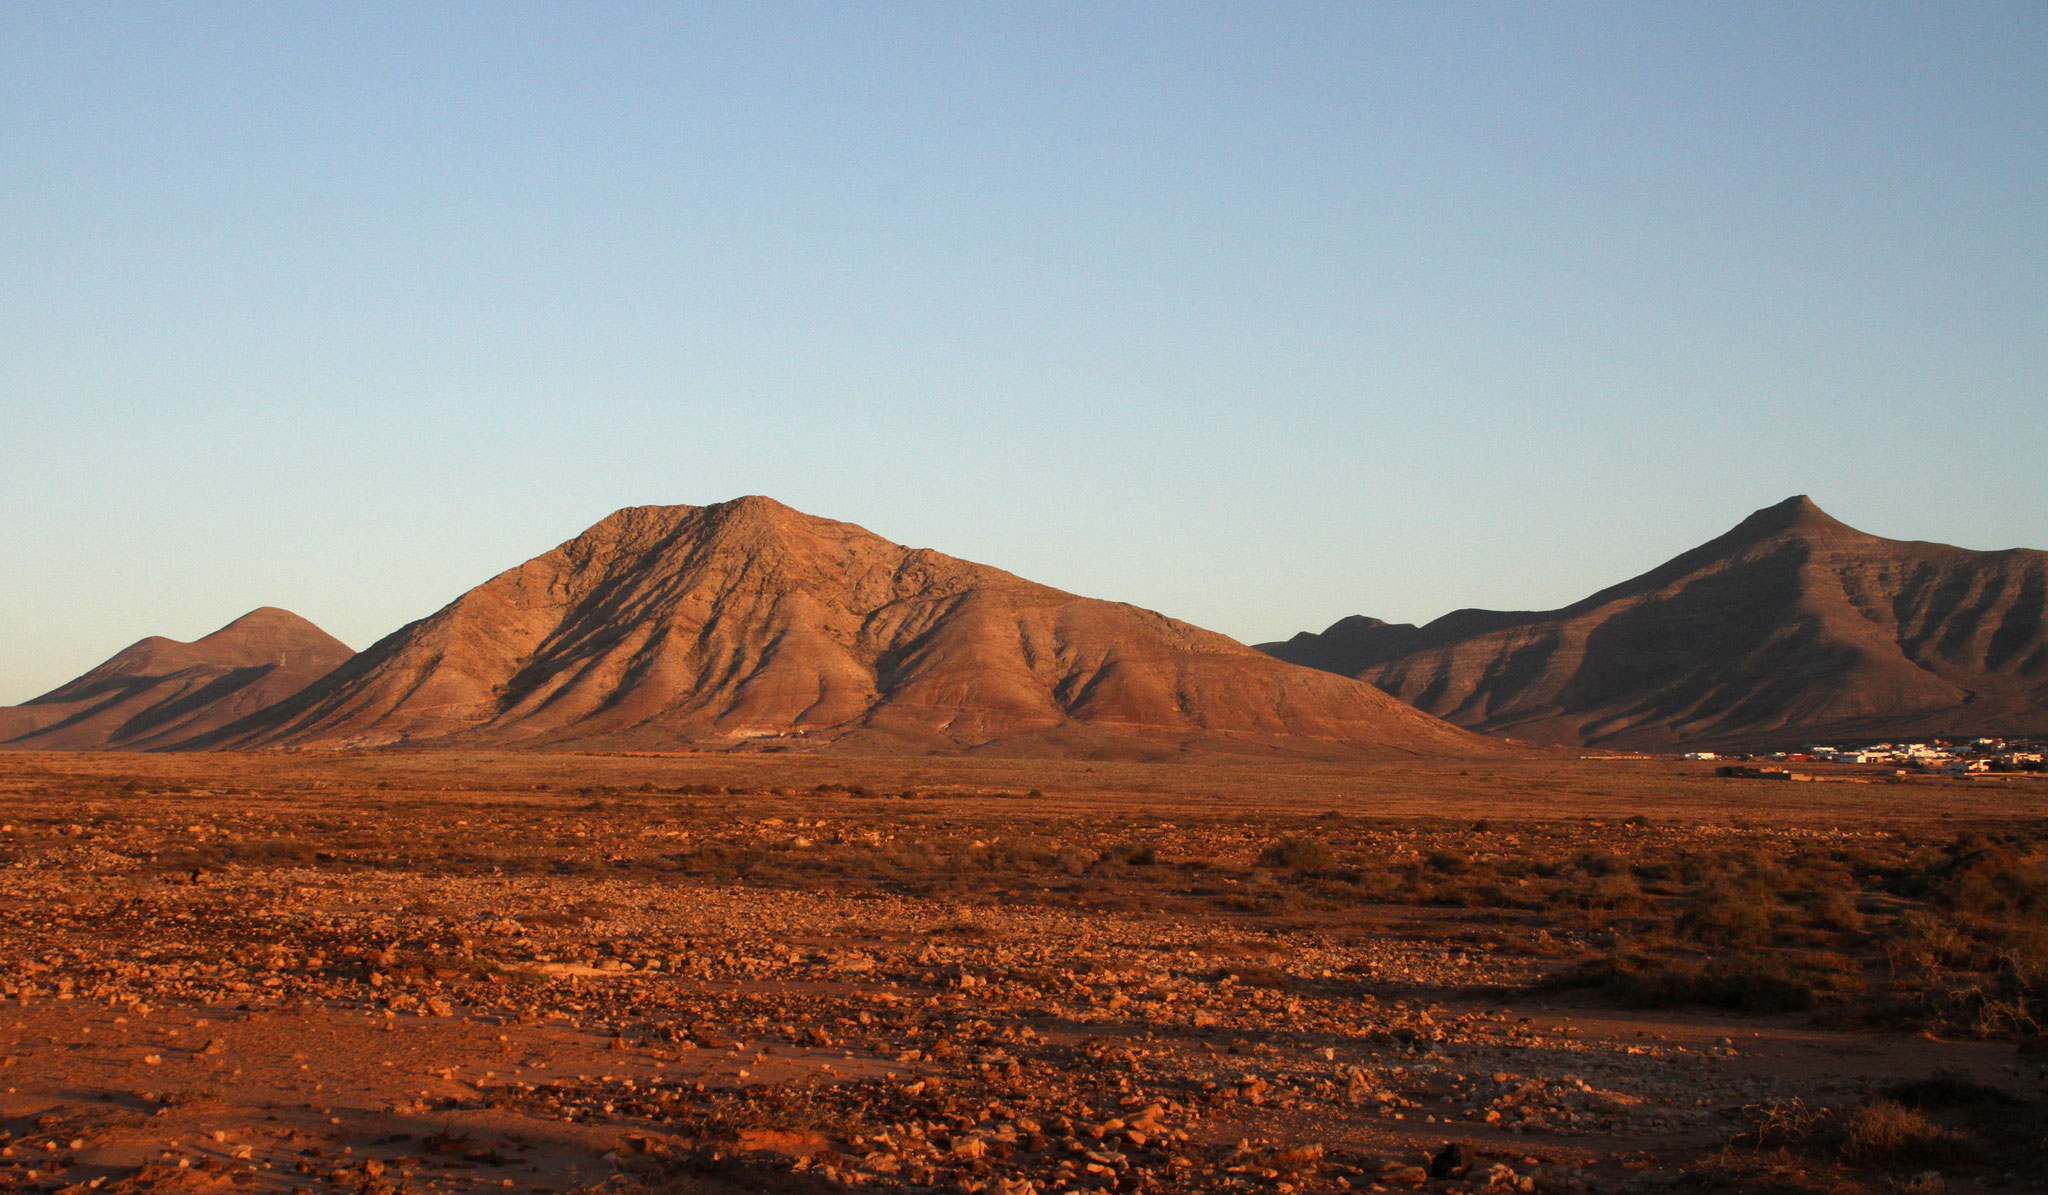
(377, 987)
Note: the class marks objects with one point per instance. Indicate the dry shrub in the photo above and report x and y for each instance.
(1643, 981)
(1135, 854)
(1467, 895)
(1600, 863)
(1074, 860)
(1886, 1132)
(1727, 917)
(1981, 874)
(1836, 910)
(1606, 891)
(1949, 1089)
(1448, 861)
(1920, 938)
(1298, 853)
(1783, 1123)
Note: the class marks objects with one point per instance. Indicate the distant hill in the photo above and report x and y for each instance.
(748, 625)
(1790, 627)
(161, 691)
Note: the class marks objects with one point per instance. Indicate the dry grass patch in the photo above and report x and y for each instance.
(1885, 1132)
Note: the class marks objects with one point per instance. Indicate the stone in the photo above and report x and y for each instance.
(1452, 1161)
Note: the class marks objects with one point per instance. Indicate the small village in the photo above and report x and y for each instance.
(1982, 756)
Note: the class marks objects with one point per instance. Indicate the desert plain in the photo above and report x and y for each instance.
(382, 971)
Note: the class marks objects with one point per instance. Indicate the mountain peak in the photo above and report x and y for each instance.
(757, 511)
(754, 504)
(1349, 645)
(632, 523)
(1798, 513)
(266, 622)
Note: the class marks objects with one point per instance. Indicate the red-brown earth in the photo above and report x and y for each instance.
(388, 971)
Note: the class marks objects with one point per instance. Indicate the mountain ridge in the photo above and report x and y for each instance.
(1790, 625)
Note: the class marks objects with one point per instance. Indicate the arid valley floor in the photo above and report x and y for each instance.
(394, 971)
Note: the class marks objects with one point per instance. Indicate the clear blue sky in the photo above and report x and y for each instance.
(1257, 314)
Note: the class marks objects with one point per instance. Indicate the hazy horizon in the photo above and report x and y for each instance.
(1258, 317)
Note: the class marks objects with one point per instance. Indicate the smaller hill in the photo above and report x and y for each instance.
(1790, 627)
(1350, 645)
(161, 691)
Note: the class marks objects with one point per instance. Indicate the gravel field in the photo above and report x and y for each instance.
(550, 973)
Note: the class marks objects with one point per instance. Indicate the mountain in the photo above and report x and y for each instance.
(1349, 645)
(161, 691)
(1790, 628)
(747, 625)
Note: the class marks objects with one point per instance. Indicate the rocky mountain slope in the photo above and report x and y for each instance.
(749, 625)
(1791, 627)
(161, 691)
